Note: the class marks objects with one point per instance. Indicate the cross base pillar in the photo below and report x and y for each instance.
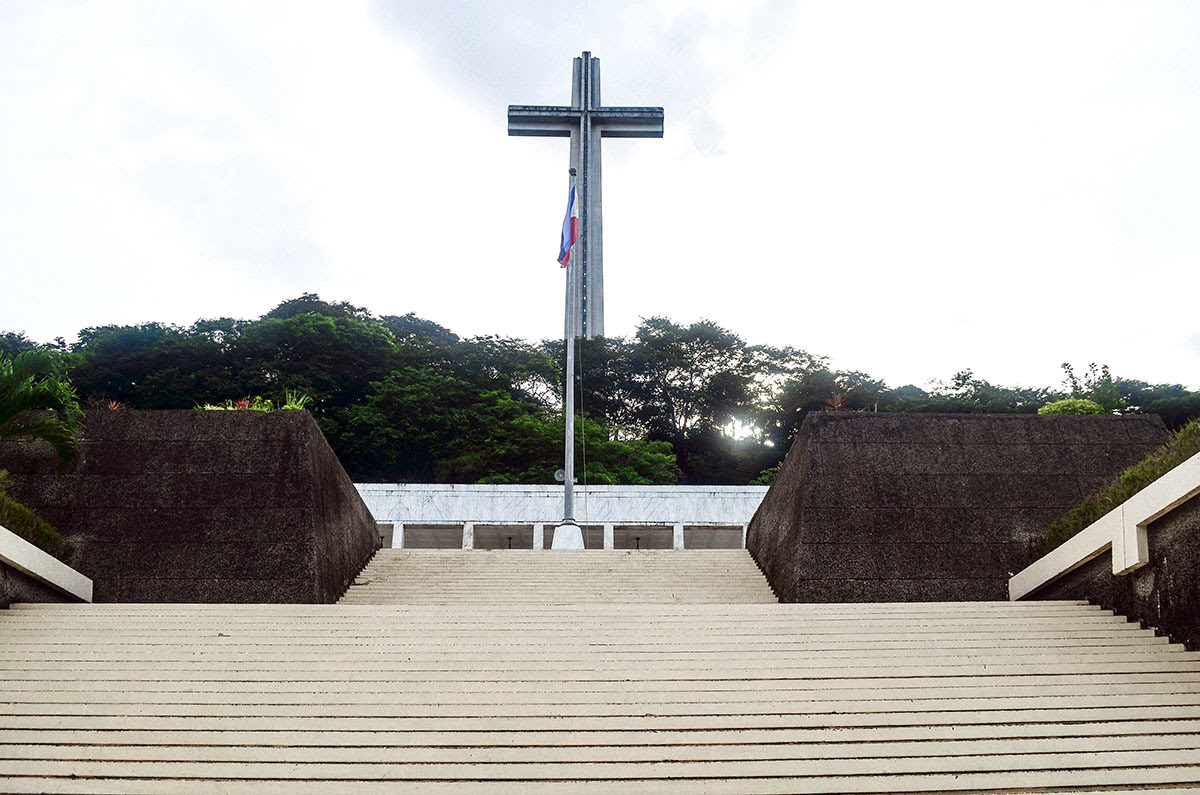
(567, 536)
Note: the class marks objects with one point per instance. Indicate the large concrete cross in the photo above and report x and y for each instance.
(586, 122)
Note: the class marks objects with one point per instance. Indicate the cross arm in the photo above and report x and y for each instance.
(553, 121)
(619, 122)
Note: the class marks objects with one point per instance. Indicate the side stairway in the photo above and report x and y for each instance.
(530, 690)
(616, 577)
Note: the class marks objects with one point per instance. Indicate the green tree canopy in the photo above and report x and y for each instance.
(401, 397)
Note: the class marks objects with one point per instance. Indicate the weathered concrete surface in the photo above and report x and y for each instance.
(929, 507)
(1164, 594)
(519, 697)
(17, 586)
(202, 506)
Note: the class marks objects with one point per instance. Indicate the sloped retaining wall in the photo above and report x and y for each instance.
(1164, 594)
(929, 507)
(202, 506)
(17, 586)
(29, 574)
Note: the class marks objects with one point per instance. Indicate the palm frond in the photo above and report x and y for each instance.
(38, 402)
(46, 428)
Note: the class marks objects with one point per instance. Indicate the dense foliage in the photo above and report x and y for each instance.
(1182, 445)
(403, 399)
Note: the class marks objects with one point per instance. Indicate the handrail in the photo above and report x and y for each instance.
(1123, 530)
(43, 567)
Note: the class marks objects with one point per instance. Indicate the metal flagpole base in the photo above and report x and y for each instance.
(567, 536)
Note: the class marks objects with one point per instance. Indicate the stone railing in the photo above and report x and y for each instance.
(1122, 530)
(19, 554)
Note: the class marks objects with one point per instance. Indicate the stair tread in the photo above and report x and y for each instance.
(666, 673)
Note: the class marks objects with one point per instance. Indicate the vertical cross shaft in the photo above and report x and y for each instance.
(588, 289)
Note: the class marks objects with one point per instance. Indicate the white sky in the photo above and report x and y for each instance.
(909, 188)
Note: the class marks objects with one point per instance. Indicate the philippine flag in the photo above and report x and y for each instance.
(570, 230)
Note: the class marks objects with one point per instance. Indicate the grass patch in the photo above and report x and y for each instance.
(28, 525)
(1184, 444)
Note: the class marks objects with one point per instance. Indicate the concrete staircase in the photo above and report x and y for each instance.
(520, 691)
(616, 577)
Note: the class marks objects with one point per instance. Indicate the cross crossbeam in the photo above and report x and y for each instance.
(556, 121)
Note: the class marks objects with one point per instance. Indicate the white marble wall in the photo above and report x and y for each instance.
(439, 503)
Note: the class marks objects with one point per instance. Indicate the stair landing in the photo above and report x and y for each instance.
(617, 577)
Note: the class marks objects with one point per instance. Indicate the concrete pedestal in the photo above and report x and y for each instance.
(567, 536)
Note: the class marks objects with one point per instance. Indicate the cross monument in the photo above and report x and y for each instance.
(586, 121)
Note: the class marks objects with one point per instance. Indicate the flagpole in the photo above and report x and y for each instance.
(568, 535)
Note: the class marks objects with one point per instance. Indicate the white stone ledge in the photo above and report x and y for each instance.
(1123, 530)
(45, 568)
(527, 504)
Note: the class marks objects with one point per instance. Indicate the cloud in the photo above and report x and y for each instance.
(517, 53)
(241, 214)
(162, 114)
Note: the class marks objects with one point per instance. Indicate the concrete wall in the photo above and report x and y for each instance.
(1164, 594)
(929, 507)
(17, 586)
(202, 506)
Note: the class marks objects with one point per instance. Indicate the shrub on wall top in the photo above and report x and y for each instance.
(1072, 406)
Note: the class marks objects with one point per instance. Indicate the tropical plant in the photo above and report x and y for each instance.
(38, 402)
(256, 403)
(837, 402)
(295, 400)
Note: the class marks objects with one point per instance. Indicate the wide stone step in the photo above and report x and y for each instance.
(521, 696)
(419, 576)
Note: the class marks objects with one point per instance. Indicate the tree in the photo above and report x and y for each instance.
(38, 402)
(409, 421)
(811, 390)
(311, 304)
(332, 358)
(13, 343)
(517, 442)
(1173, 402)
(968, 394)
(1097, 384)
(690, 379)
(156, 366)
(422, 424)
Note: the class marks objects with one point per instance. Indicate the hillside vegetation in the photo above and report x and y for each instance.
(401, 398)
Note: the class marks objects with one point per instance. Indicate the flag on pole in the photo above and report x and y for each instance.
(570, 230)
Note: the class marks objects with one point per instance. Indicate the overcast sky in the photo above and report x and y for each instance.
(911, 188)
